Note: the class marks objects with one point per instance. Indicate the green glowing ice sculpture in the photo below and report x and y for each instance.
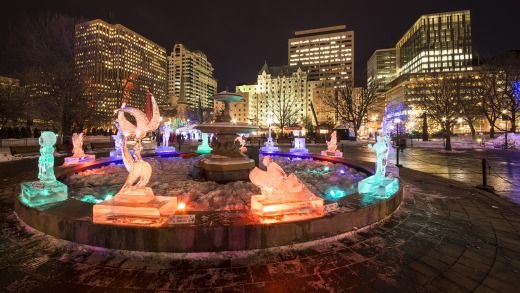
(379, 184)
(48, 189)
(204, 148)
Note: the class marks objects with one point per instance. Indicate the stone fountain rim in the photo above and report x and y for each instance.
(72, 220)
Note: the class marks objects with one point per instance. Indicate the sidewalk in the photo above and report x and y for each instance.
(445, 237)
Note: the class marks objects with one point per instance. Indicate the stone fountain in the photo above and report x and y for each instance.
(226, 162)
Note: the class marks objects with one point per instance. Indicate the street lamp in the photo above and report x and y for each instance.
(505, 118)
(397, 121)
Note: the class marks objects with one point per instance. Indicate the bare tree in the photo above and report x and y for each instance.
(469, 102)
(494, 98)
(285, 102)
(351, 104)
(45, 45)
(14, 100)
(441, 97)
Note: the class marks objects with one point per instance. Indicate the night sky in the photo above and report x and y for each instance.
(238, 36)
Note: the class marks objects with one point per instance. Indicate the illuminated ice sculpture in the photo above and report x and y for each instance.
(379, 184)
(204, 148)
(164, 148)
(118, 141)
(48, 189)
(136, 204)
(242, 142)
(78, 155)
(269, 144)
(332, 146)
(284, 197)
(299, 146)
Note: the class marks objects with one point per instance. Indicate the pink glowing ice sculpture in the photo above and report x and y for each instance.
(78, 155)
(135, 201)
(332, 146)
(242, 142)
(284, 197)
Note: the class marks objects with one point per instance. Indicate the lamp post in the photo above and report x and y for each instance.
(158, 132)
(506, 118)
(397, 121)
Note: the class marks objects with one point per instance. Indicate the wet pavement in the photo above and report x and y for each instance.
(447, 236)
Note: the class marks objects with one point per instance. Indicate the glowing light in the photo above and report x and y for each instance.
(342, 171)
(336, 193)
(181, 206)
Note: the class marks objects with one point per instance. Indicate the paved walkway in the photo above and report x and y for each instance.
(445, 237)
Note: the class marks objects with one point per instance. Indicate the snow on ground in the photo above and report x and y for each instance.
(171, 177)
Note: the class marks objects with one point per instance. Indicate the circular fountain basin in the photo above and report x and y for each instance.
(211, 231)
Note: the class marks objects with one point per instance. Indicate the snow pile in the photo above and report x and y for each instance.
(513, 141)
(170, 177)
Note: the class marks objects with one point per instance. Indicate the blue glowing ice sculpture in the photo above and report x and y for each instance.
(379, 184)
(269, 144)
(48, 189)
(164, 148)
(118, 141)
(299, 146)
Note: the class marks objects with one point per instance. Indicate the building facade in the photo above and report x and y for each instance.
(118, 65)
(197, 72)
(327, 52)
(281, 92)
(382, 68)
(437, 42)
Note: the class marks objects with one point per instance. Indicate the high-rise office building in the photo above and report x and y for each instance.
(328, 52)
(437, 42)
(382, 68)
(197, 72)
(118, 65)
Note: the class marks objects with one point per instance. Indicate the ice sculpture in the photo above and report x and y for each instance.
(78, 155)
(118, 137)
(242, 141)
(284, 197)
(166, 133)
(164, 148)
(379, 184)
(269, 144)
(204, 148)
(332, 146)
(299, 146)
(48, 189)
(135, 202)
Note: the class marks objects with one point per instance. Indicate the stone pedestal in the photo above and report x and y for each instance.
(116, 153)
(38, 193)
(164, 149)
(270, 149)
(226, 169)
(287, 208)
(332, 154)
(392, 169)
(139, 209)
(381, 187)
(78, 160)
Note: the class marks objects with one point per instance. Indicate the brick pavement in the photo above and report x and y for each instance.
(445, 237)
